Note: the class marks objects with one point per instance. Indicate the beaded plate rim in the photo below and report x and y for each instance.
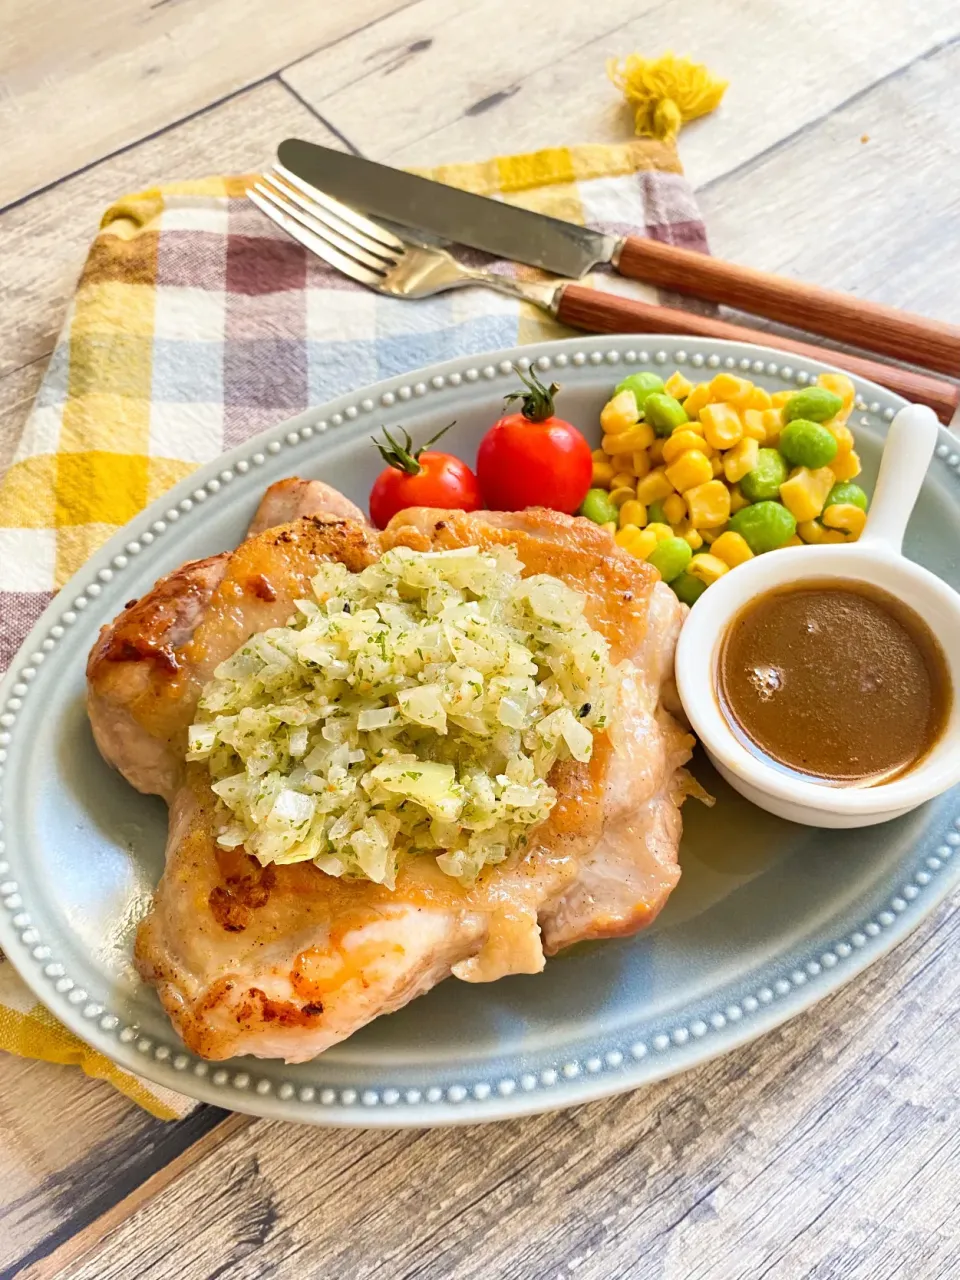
(693, 1039)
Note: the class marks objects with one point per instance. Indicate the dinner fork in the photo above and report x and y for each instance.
(367, 252)
(407, 267)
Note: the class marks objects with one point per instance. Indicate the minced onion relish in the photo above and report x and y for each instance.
(416, 707)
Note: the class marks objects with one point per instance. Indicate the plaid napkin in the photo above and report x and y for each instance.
(197, 323)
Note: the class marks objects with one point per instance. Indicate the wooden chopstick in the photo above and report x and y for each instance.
(931, 344)
(600, 312)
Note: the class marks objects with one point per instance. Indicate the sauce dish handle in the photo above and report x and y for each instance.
(910, 443)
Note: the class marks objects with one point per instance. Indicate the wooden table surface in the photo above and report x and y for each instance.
(830, 1149)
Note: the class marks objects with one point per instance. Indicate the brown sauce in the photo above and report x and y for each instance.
(834, 680)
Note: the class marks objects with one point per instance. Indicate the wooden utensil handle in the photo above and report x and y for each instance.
(901, 334)
(599, 312)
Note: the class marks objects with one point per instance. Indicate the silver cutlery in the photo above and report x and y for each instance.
(566, 249)
(369, 253)
(403, 266)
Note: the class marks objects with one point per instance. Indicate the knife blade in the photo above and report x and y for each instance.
(561, 248)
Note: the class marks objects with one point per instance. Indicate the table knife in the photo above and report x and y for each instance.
(564, 249)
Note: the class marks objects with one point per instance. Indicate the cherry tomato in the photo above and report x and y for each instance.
(420, 478)
(532, 458)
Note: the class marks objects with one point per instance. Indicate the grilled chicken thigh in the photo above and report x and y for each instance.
(283, 961)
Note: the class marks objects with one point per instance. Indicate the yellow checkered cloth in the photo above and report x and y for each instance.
(197, 323)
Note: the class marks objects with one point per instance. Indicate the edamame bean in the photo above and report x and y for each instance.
(642, 385)
(597, 507)
(807, 444)
(687, 588)
(670, 558)
(764, 526)
(845, 491)
(815, 404)
(767, 476)
(663, 412)
(656, 513)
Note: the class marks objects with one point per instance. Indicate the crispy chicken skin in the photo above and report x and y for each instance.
(285, 961)
(148, 667)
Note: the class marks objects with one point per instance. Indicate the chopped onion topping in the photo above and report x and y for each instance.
(415, 708)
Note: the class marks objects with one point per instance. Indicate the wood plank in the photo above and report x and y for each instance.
(822, 1150)
(42, 250)
(72, 1148)
(533, 75)
(433, 51)
(881, 217)
(30, 1156)
(77, 1245)
(78, 82)
(17, 392)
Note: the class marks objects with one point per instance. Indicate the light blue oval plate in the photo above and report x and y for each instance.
(767, 919)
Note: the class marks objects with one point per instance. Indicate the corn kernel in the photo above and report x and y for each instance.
(846, 466)
(640, 436)
(742, 401)
(780, 398)
(759, 399)
(622, 493)
(716, 464)
(813, 532)
(841, 386)
(659, 531)
(656, 451)
(741, 459)
(639, 542)
(694, 425)
(643, 545)
(693, 539)
(846, 516)
(708, 568)
(772, 425)
(633, 512)
(727, 386)
(721, 425)
(795, 541)
(619, 413)
(622, 478)
(653, 486)
(708, 505)
(753, 425)
(609, 526)
(842, 434)
(732, 549)
(806, 491)
(678, 386)
(674, 508)
(602, 474)
(680, 442)
(698, 397)
(689, 470)
(737, 500)
(710, 536)
(640, 463)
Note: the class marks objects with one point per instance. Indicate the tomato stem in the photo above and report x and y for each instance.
(537, 401)
(403, 456)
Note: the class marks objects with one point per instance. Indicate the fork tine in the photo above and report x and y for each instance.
(320, 229)
(349, 266)
(386, 247)
(369, 228)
